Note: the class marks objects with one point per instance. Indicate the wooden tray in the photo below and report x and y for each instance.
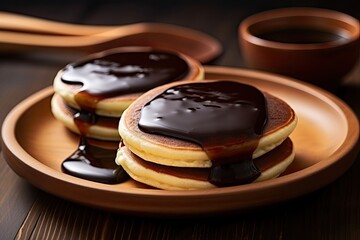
(35, 144)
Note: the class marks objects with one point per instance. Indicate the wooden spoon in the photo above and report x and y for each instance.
(28, 33)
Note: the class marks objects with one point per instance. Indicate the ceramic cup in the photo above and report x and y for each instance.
(315, 45)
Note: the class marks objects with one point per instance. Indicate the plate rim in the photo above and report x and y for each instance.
(349, 147)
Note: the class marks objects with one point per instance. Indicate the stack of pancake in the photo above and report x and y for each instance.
(91, 94)
(206, 134)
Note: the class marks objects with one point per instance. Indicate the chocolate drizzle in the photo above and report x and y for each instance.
(93, 161)
(122, 73)
(216, 115)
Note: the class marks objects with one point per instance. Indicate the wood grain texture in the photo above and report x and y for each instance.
(27, 213)
(16, 197)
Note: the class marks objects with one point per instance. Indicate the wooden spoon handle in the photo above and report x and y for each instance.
(20, 41)
(191, 42)
(21, 23)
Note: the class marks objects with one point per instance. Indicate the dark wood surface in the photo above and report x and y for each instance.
(332, 212)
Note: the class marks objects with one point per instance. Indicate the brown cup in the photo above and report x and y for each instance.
(315, 45)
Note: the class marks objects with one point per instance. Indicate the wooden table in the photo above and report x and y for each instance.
(332, 212)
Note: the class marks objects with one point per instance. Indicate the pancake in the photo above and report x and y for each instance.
(93, 82)
(270, 164)
(98, 127)
(171, 151)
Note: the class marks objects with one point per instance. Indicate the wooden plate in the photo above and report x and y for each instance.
(35, 144)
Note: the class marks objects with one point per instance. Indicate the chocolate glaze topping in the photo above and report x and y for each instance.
(93, 161)
(215, 115)
(122, 73)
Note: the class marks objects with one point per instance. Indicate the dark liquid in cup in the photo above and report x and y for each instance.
(301, 36)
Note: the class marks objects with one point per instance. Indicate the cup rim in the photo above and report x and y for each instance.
(305, 12)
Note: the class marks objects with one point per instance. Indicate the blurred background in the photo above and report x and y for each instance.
(206, 16)
(218, 18)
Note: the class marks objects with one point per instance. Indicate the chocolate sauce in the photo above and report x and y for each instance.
(214, 115)
(122, 73)
(93, 161)
(84, 119)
